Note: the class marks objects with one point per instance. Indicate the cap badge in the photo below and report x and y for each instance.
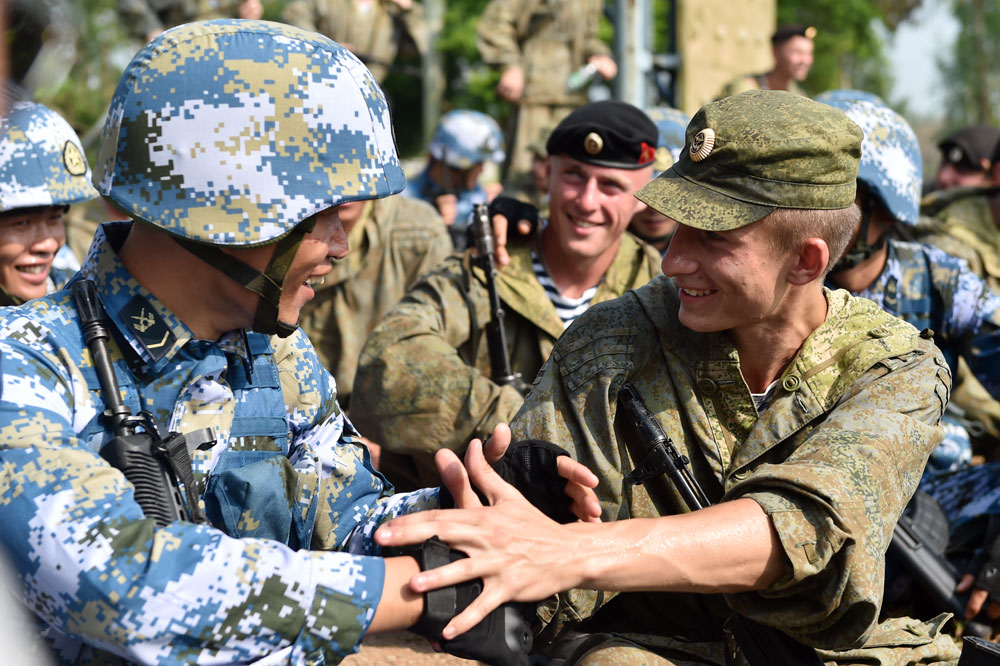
(955, 155)
(593, 143)
(647, 153)
(702, 145)
(73, 159)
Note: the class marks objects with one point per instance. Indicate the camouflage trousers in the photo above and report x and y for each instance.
(527, 124)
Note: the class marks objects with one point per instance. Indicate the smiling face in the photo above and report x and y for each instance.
(327, 241)
(29, 241)
(728, 280)
(794, 57)
(591, 206)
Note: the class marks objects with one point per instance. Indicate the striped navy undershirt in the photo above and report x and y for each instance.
(568, 309)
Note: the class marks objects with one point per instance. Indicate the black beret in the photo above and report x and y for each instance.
(786, 32)
(607, 133)
(969, 146)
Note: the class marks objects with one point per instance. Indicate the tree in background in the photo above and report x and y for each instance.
(971, 80)
(849, 50)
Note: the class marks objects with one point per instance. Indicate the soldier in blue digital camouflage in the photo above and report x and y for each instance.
(229, 143)
(650, 224)
(917, 282)
(805, 414)
(463, 142)
(43, 171)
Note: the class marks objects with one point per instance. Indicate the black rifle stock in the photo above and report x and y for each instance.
(496, 335)
(761, 645)
(912, 549)
(142, 457)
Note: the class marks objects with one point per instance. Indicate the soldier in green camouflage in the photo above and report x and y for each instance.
(231, 145)
(962, 221)
(807, 416)
(538, 44)
(424, 377)
(393, 241)
(145, 19)
(372, 29)
(792, 46)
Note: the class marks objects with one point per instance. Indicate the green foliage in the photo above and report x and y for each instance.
(849, 51)
(970, 77)
(102, 50)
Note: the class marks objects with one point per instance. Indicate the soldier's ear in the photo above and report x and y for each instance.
(810, 263)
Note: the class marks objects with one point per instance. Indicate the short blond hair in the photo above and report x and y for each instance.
(790, 227)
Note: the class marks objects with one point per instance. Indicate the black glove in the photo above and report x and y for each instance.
(530, 466)
(514, 210)
(985, 566)
(502, 638)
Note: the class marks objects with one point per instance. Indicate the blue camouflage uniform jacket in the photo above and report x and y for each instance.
(286, 474)
(932, 289)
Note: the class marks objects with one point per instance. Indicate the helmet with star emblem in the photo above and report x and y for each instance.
(237, 133)
(41, 160)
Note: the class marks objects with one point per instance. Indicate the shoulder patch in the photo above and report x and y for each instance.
(591, 353)
(148, 327)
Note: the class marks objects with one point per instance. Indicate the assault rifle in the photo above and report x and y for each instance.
(496, 335)
(761, 645)
(152, 465)
(918, 543)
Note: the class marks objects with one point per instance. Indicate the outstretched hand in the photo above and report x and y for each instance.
(517, 551)
(977, 599)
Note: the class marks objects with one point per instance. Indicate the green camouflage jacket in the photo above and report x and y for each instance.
(424, 374)
(373, 33)
(832, 460)
(397, 240)
(549, 39)
(960, 222)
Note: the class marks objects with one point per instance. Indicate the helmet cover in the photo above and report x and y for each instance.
(466, 138)
(891, 168)
(232, 132)
(42, 162)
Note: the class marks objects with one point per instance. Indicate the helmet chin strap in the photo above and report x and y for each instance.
(266, 284)
(861, 250)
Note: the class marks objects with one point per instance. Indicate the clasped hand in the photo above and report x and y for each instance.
(516, 550)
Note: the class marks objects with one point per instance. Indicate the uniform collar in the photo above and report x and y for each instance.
(519, 288)
(855, 335)
(154, 333)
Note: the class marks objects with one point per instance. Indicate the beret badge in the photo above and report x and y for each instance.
(593, 143)
(702, 144)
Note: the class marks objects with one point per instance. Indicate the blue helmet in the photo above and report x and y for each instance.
(232, 132)
(466, 138)
(891, 168)
(670, 124)
(41, 160)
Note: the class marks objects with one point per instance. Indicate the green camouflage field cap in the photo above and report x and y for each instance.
(752, 153)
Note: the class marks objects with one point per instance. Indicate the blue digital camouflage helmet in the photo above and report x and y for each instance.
(891, 168)
(671, 125)
(236, 133)
(463, 139)
(41, 160)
